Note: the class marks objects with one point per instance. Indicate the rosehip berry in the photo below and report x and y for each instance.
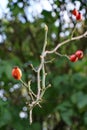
(75, 12)
(16, 73)
(79, 16)
(73, 58)
(79, 54)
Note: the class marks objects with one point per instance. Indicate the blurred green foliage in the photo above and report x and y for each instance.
(64, 105)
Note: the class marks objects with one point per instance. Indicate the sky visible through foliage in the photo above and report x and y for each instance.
(64, 105)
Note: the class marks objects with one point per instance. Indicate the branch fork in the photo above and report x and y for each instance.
(36, 99)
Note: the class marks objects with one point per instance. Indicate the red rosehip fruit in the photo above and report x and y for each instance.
(73, 58)
(79, 54)
(16, 73)
(75, 12)
(79, 16)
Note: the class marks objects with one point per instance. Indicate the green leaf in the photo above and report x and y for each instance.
(36, 126)
(80, 99)
(5, 116)
(66, 116)
(85, 118)
(46, 13)
(3, 103)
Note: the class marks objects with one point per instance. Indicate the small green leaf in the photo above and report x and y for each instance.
(80, 99)
(66, 116)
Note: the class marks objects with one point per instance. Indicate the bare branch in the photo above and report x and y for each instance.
(61, 55)
(30, 116)
(64, 42)
(33, 68)
(42, 65)
(41, 83)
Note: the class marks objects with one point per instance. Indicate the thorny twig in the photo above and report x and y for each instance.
(41, 85)
(64, 42)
